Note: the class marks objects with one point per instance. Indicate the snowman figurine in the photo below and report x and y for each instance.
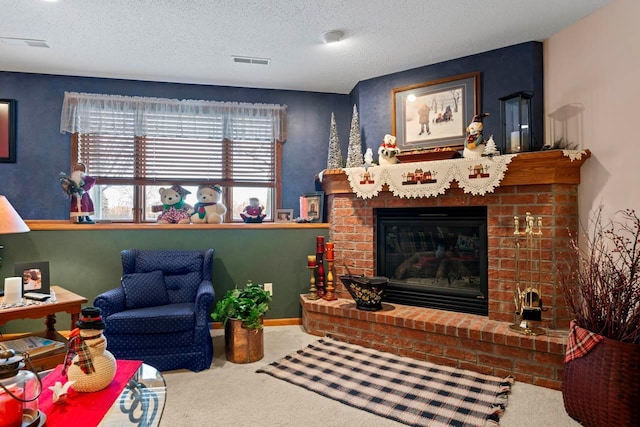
(474, 143)
(92, 367)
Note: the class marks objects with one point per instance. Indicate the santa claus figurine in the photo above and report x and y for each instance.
(81, 203)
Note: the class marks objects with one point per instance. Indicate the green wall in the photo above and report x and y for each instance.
(87, 262)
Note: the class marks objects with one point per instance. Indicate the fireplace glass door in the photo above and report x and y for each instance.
(434, 257)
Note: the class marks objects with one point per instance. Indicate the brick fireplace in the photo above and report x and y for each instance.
(542, 183)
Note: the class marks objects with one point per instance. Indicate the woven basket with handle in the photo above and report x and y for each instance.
(602, 388)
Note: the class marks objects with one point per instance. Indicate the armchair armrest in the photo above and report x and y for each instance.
(204, 299)
(110, 302)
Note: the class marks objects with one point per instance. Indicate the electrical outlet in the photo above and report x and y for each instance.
(269, 288)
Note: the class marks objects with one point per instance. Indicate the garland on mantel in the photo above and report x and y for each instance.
(477, 176)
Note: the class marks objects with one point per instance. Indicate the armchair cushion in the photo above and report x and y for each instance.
(144, 289)
(153, 320)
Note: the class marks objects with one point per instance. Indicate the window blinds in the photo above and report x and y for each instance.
(128, 142)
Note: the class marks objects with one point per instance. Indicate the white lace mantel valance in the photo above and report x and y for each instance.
(477, 176)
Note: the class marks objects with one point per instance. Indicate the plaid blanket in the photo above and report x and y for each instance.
(405, 390)
(580, 342)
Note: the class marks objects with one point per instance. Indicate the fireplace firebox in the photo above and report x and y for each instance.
(434, 257)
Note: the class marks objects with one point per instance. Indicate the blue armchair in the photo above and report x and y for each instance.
(160, 312)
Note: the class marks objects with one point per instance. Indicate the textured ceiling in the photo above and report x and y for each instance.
(193, 41)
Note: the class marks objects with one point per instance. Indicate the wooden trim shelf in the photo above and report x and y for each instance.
(539, 167)
(57, 225)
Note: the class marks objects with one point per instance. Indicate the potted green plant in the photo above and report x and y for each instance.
(241, 312)
(601, 285)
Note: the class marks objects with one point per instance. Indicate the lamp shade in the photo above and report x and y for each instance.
(10, 221)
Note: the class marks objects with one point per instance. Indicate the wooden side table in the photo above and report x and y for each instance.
(66, 301)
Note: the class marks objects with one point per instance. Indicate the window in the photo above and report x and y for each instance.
(135, 146)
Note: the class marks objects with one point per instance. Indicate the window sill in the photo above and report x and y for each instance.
(51, 225)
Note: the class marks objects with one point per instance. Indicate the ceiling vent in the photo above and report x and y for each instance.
(16, 41)
(251, 60)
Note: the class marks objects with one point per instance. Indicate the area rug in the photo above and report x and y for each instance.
(411, 392)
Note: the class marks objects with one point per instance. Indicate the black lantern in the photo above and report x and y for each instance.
(515, 119)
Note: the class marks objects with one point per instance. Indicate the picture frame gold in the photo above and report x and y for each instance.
(434, 114)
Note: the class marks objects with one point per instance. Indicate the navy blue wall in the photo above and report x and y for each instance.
(32, 183)
(502, 72)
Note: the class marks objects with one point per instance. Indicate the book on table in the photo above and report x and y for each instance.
(34, 345)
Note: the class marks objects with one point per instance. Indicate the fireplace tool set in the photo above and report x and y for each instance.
(527, 299)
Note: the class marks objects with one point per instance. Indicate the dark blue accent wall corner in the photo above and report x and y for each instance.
(32, 186)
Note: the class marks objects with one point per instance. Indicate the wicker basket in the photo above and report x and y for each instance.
(602, 388)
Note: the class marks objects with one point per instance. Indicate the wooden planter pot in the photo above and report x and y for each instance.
(243, 345)
(602, 387)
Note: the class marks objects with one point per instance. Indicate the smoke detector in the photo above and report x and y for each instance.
(332, 36)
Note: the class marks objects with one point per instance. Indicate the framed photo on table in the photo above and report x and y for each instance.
(7, 130)
(284, 215)
(35, 276)
(312, 206)
(434, 114)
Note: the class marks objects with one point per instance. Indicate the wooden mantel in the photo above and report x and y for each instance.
(539, 167)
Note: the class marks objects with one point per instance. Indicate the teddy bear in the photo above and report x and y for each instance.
(209, 209)
(174, 209)
(388, 151)
(253, 212)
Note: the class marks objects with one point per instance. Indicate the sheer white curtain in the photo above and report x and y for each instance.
(112, 114)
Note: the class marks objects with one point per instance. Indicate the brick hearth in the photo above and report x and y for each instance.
(543, 183)
(460, 340)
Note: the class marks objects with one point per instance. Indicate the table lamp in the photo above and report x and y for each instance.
(10, 221)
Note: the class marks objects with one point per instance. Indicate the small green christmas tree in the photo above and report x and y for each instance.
(334, 159)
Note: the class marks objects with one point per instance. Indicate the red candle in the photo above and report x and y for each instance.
(10, 408)
(320, 244)
(330, 251)
(311, 261)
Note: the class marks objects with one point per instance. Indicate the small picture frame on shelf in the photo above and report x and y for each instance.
(35, 276)
(312, 206)
(284, 215)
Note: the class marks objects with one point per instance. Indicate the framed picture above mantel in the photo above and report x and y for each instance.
(434, 114)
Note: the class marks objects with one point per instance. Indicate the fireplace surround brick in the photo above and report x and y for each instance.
(543, 183)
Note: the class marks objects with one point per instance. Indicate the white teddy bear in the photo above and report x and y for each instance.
(209, 209)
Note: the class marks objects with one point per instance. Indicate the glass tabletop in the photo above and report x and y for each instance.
(141, 402)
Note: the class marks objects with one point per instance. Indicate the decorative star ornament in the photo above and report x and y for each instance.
(60, 391)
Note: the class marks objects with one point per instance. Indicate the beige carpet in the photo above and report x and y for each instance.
(234, 395)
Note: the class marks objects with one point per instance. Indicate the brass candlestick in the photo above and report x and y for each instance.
(329, 295)
(311, 265)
